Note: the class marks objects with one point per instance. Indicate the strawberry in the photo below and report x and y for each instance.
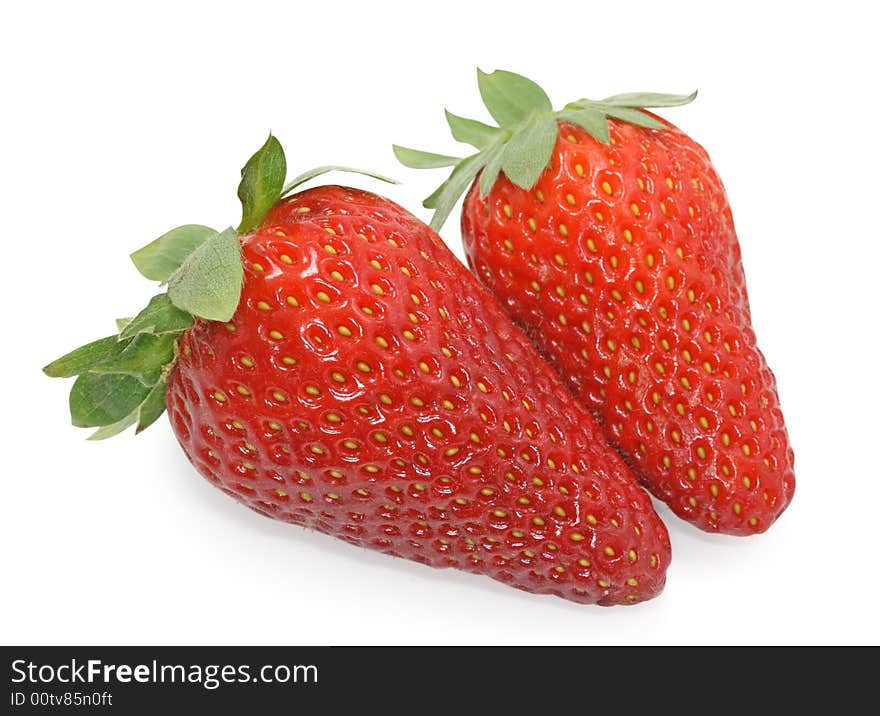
(331, 364)
(606, 233)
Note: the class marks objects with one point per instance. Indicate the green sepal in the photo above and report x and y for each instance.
(84, 358)
(163, 256)
(152, 407)
(208, 283)
(635, 116)
(522, 145)
(649, 99)
(416, 159)
(102, 399)
(511, 98)
(262, 181)
(108, 431)
(318, 171)
(490, 172)
(144, 358)
(590, 119)
(443, 200)
(470, 131)
(144, 415)
(528, 152)
(159, 317)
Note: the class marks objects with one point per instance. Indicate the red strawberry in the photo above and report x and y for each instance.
(367, 386)
(608, 237)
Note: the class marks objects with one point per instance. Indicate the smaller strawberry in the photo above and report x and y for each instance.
(607, 235)
(332, 364)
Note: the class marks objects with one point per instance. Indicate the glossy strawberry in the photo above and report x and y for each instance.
(365, 385)
(611, 242)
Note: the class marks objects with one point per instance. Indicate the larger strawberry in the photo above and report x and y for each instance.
(606, 233)
(332, 364)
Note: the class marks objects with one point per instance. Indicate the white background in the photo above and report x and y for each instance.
(120, 123)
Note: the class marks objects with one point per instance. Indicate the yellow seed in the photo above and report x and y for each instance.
(279, 396)
(263, 306)
(291, 301)
(508, 211)
(257, 267)
(363, 367)
(563, 229)
(277, 335)
(417, 401)
(323, 297)
(576, 537)
(344, 331)
(701, 452)
(538, 521)
(533, 225)
(334, 418)
(635, 209)
(570, 199)
(606, 187)
(746, 450)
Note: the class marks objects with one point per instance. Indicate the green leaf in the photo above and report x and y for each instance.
(635, 116)
(152, 407)
(262, 180)
(528, 151)
(649, 99)
(318, 171)
(162, 257)
(493, 167)
(511, 98)
(108, 431)
(99, 399)
(160, 316)
(472, 132)
(443, 200)
(121, 323)
(208, 284)
(85, 357)
(594, 121)
(144, 358)
(417, 159)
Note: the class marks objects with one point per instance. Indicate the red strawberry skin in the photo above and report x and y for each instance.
(623, 265)
(369, 387)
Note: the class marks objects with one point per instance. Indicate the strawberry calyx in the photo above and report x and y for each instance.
(121, 378)
(522, 144)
